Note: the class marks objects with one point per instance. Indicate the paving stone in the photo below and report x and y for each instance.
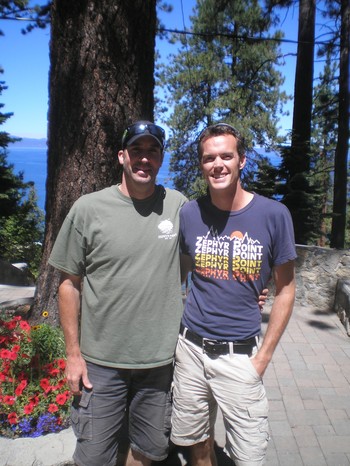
(312, 456)
(305, 436)
(335, 444)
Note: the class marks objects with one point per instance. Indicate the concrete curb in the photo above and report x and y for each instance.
(47, 450)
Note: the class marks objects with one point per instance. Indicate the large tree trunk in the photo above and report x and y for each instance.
(101, 78)
(303, 87)
(298, 198)
(341, 152)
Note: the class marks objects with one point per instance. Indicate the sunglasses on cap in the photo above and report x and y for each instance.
(139, 129)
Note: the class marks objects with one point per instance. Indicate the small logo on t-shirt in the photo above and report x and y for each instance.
(166, 229)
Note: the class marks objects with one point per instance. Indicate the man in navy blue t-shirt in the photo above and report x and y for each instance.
(234, 241)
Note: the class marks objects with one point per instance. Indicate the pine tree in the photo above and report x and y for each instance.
(21, 221)
(224, 71)
(341, 168)
(323, 141)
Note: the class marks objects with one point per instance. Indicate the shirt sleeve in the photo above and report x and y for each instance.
(68, 253)
(284, 245)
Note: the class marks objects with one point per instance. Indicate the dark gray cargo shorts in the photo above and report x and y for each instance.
(139, 396)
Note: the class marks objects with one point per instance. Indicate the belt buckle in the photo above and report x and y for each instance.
(213, 346)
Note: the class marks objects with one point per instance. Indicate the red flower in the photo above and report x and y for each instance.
(61, 383)
(10, 325)
(61, 363)
(12, 418)
(52, 408)
(54, 372)
(45, 384)
(13, 356)
(28, 409)
(34, 400)
(5, 354)
(9, 400)
(24, 326)
(16, 348)
(61, 399)
(21, 387)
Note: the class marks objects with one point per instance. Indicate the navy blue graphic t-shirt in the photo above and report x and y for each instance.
(233, 254)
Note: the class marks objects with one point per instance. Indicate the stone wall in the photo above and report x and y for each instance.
(317, 272)
(11, 275)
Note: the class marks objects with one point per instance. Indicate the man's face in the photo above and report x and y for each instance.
(220, 162)
(141, 161)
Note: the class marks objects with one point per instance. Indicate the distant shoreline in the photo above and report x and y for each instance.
(28, 142)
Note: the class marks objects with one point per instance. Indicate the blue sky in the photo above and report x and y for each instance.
(25, 61)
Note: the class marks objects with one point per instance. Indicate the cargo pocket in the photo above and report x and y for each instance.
(258, 413)
(81, 415)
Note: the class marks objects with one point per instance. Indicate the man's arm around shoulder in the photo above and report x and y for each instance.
(69, 310)
(284, 278)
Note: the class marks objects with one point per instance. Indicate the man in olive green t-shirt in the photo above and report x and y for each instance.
(120, 246)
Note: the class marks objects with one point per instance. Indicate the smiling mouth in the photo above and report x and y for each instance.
(142, 169)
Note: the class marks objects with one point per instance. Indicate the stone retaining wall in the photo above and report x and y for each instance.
(317, 273)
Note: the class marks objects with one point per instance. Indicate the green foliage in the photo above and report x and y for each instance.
(48, 342)
(323, 144)
(224, 72)
(302, 197)
(264, 180)
(21, 233)
(21, 221)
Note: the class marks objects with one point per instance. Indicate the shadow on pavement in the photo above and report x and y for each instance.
(179, 456)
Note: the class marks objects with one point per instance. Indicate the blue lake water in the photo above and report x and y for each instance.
(32, 162)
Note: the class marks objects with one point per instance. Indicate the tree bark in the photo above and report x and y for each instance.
(341, 152)
(303, 87)
(101, 79)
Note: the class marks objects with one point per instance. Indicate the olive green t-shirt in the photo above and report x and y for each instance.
(127, 252)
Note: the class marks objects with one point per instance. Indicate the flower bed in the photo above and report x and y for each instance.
(34, 396)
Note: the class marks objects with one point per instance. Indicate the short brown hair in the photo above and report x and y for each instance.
(218, 130)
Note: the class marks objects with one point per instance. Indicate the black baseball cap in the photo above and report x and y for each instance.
(143, 128)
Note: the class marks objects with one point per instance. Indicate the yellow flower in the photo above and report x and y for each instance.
(45, 314)
(36, 327)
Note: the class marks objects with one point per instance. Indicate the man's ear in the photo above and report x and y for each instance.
(242, 162)
(121, 157)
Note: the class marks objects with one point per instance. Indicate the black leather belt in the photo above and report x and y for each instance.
(217, 347)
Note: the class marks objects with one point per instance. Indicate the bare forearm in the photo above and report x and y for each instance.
(279, 317)
(69, 309)
(280, 314)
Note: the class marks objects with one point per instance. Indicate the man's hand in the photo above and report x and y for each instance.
(76, 373)
(263, 298)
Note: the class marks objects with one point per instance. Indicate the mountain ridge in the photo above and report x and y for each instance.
(29, 142)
